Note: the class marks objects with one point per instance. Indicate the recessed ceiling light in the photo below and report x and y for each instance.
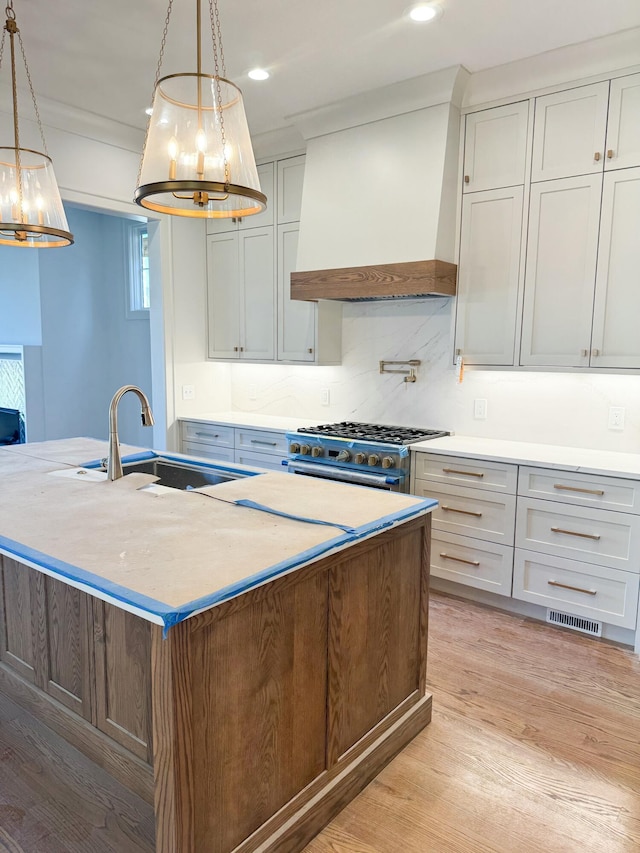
(424, 12)
(258, 74)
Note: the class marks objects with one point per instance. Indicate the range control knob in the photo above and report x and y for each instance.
(294, 447)
(359, 458)
(305, 449)
(374, 459)
(343, 456)
(316, 451)
(387, 462)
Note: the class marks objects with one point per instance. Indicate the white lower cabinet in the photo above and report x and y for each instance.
(484, 565)
(593, 592)
(224, 443)
(576, 535)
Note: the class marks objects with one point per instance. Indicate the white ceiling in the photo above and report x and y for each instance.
(101, 55)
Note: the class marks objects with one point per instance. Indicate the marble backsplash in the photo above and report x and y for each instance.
(547, 407)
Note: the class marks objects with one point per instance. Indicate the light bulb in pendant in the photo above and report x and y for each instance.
(173, 157)
(13, 195)
(201, 147)
(40, 209)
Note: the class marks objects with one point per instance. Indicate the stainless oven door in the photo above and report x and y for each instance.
(389, 482)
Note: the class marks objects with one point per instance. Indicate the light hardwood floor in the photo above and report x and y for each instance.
(534, 746)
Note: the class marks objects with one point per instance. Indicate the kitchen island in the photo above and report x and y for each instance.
(247, 656)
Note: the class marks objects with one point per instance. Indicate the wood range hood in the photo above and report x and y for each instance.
(404, 280)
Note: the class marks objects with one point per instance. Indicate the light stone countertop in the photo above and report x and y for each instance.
(254, 420)
(585, 460)
(167, 555)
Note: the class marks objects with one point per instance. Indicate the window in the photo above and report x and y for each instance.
(139, 290)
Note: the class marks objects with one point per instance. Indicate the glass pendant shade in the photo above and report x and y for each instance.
(198, 160)
(31, 211)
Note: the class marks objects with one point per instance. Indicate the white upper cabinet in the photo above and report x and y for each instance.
(488, 276)
(623, 128)
(296, 319)
(266, 175)
(495, 147)
(223, 301)
(560, 271)
(241, 295)
(569, 132)
(616, 334)
(290, 177)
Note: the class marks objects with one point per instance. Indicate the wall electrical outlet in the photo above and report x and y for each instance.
(188, 392)
(325, 396)
(480, 409)
(616, 417)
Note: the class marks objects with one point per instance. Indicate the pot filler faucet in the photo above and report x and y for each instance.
(114, 462)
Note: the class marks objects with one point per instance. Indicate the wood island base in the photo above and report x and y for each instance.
(261, 717)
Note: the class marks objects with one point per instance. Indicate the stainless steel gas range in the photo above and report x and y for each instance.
(366, 454)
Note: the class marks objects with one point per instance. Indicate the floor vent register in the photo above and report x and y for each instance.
(576, 623)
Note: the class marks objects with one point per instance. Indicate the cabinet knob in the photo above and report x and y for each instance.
(310, 350)
(241, 349)
(596, 156)
(610, 154)
(584, 353)
(466, 179)
(235, 349)
(595, 352)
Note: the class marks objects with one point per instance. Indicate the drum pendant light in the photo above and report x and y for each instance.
(31, 211)
(197, 158)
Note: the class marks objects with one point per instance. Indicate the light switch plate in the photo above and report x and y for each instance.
(480, 409)
(188, 392)
(616, 417)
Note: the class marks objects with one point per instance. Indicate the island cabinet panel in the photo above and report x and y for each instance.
(123, 677)
(65, 644)
(18, 628)
(374, 642)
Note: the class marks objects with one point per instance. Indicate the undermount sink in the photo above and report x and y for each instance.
(179, 475)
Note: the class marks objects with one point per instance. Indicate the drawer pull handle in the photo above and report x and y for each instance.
(595, 536)
(598, 492)
(574, 588)
(460, 559)
(209, 434)
(466, 473)
(462, 511)
(266, 443)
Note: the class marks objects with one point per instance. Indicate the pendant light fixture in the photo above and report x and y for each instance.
(31, 211)
(197, 158)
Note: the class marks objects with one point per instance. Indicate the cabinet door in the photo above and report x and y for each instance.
(623, 126)
(296, 319)
(223, 301)
(495, 147)
(616, 338)
(266, 175)
(560, 271)
(488, 276)
(290, 177)
(267, 185)
(123, 677)
(257, 297)
(18, 618)
(569, 132)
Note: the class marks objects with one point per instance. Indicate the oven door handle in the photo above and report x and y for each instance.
(345, 475)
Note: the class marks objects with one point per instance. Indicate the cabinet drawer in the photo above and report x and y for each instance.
(580, 533)
(261, 441)
(471, 512)
(593, 592)
(205, 433)
(272, 461)
(581, 489)
(472, 562)
(209, 451)
(493, 476)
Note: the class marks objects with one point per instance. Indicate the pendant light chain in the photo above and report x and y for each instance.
(163, 44)
(216, 38)
(12, 29)
(33, 95)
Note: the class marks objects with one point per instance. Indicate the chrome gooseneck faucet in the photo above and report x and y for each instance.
(114, 462)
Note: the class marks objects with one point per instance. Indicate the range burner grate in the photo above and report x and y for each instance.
(381, 433)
